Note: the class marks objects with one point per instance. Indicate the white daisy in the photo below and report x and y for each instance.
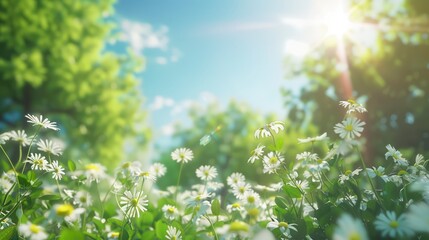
(56, 169)
(49, 147)
(182, 155)
(133, 203)
(206, 173)
(94, 172)
(349, 174)
(396, 155)
(45, 123)
(170, 212)
(265, 131)
(113, 235)
(256, 153)
(173, 233)
(418, 217)
(146, 175)
(32, 231)
(240, 189)
(283, 226)
(158, 169)
(68, 212)
(37, 161)
(272, 162)
(4, 137)
(82, 199)
(349, 228)
(234, 207)
(322, 137)
(235, 178)
(19, 136)
(251, 198)
(352, 106)
(388, 224)
(236, 229)
(349, 128)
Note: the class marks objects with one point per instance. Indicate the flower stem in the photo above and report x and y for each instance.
(178, 181)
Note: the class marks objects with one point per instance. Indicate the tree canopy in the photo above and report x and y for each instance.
(390, 74)
(54, 61)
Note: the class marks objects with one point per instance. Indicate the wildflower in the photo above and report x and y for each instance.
(349, 128)
(173, 233)
(388, 224)
(170, 212)
(352, 106)
(256, 153)
(234, 207)
(32, 231)
(235, 178)
(56, 169)
(348, 174)
(379, 172)
(49, 147)
(5, 222)
(236, 229)
(182, 155)
(251, 198)
(240, 189)
(4, 137)
(418, 217)
(197, 197)
(146, 175)
(133, 203)
(68, 212)
(113, 235)
(307, 157)
(272, 162)
(7, 181)
(396, 155)
(322, 137)
(82, 199)
(349, 228)
(45, 123)
(283, 226)
(94, 172)
(158, 169)
(206, 173)
(19, 136)
(265, 131)
(129, 167)
(37, 161)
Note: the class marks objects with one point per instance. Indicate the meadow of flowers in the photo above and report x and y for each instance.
(334, 196)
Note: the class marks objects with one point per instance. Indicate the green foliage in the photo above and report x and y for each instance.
(390, 71)
(231, 142)
(54, 62)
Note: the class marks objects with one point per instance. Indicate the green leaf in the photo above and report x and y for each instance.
(71, 165)
(146, 218)
(291, 191)
(50, 197)
(22, 179)
(68, 234)
(280, 202)
(216, 207)
(8, 232)
(161, 229)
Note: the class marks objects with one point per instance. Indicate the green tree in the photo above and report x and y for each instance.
(391, 73)
(53, 61)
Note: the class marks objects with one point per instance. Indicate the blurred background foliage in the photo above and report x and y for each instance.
(391, 76)
(232, 144)
(53, 61)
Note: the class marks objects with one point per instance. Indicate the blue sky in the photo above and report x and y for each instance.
(228, 49)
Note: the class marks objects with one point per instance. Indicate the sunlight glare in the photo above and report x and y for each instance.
(337, 22)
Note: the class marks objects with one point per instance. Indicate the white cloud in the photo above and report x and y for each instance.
(208, 97)
(168, 129)
(161, 60)
(143, 35)
(182, 107)
(161, 102)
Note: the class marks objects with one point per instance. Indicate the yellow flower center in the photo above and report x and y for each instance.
(348, 172)
(251, 199)
(64, 210)
(394, 224)
(34, 228)
(402, 172)
(351, 101)
(238, 226)
(348, 128)
(236, 205)
(283, 224)
(134, 202)
(354, 236)
(114, 234)
(181, 155)
(92, 167)
(253, 212)
(241, 189)
(206, 173)
(144, 174)
(274, 160)
(170, 209)
(126, 165)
